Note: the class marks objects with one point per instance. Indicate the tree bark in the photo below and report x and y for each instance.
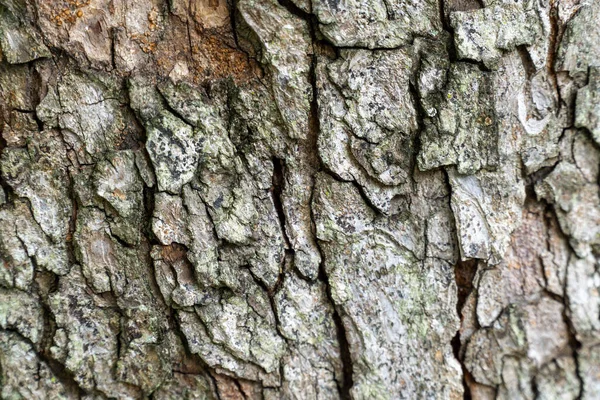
(294, 199)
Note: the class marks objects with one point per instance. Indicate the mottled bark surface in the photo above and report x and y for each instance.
(300, 199)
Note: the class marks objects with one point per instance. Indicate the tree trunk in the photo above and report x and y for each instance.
(300, 199)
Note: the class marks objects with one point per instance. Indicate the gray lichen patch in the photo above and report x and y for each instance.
(311, 333)
(286, 50)
(379, 110)
(91, 332)
(39, 174)
(171, 145)
(486, 212)
(483, 34)
(363, 132)
(376, 23)
(120, 186)
(24, 374)
(572, 187)
(364, 259)
(584, 302)
(21, 312)
(494, 355)
(89, 109)
(461, 129)
(19, 41)
(578, 50)
(587, 106)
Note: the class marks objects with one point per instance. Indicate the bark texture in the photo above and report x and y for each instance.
(300, 199)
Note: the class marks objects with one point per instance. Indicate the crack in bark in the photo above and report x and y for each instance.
(345, 353)
(527, 61)
(66, 377)
(5, 187)
(344, 388)
(449, 30)
(553, 46)
(464, 272)
(276, 190)
(551, 219)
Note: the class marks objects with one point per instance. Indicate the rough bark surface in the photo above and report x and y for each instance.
(300, 199)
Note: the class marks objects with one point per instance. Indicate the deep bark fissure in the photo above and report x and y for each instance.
(551, 219)
(312, 141)
(449, 30)
(464, 271)
(61, 373)
(278, 184)
(464, 274)
(6, 188)
(198, 365)
(528, 64)
(553, 49)
(317, 164)
(345, 353)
